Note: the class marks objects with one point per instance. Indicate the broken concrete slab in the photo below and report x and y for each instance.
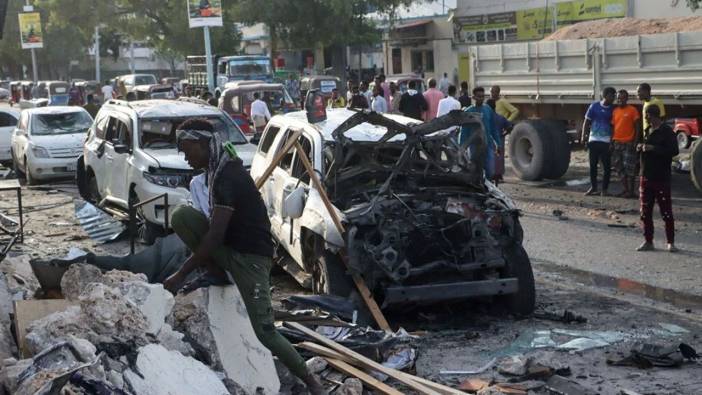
(20, 279)
(174, 341)
(162, 372)
(28, 311)
(316, 365)
(215, 322)
(513, 366)
(77, 277)
(351, 386)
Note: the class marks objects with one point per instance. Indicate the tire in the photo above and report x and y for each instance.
(329, 276)
(518, 266)
(559, 149)
(696, 165)
(529, 148)
(684, 140)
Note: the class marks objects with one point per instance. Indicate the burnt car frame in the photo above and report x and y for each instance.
(423, 225)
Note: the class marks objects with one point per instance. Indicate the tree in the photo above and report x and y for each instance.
(694, 4)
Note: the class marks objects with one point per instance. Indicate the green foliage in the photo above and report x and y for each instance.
(694, 4)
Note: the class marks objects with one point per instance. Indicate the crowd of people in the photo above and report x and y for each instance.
(633, 144)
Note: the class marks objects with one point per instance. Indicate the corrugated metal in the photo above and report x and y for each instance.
(99, 225)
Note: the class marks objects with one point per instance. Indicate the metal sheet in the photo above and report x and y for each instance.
(99, 225)
(451, 291)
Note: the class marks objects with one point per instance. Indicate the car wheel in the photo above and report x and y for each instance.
(559, 149)
(92, 193)
(329, 276)
(683, 140)
(518, 266)
(696, 165)
(529, 150)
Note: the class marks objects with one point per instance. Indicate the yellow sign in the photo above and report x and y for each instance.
(536, 23)
(30, 30)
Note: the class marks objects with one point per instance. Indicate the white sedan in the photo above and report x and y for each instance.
(8, 123)
(48, 140)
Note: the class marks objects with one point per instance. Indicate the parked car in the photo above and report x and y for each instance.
(47, 142)
(130, 153)
(131, 81)
(687, 130)
(422, 223)
(8, 123)
(145, 92)
(89, 88)
(237, 98)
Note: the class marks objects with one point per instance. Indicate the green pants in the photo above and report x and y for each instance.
(251, 273)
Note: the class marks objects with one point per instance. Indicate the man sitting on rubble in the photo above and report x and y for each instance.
(236, 237)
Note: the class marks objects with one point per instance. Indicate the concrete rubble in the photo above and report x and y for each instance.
(128, 336)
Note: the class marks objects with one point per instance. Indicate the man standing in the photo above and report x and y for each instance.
(365, 92)
(492, 135)
(358, 101)
(464, 97)
(412, 103)
(293, 87)
(644, 92)
(236, 237)
(598, 131)
(386, 88)
(91, 107)
(394, 98)
(75, 98)
(379, 104)
(449, 103)
(336, 101)
(349, 90)
(627, 133)
(260, 115)
(433, 96)
(502, 106)
(444, 84)
(657, 151)
(503, 127)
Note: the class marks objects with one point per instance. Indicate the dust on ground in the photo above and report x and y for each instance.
(618, 27)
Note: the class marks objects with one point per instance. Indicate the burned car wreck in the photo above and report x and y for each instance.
(422, 223)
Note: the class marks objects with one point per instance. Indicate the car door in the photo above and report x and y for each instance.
(94, 151)
(276, 182)
(8, 123)
(20, 138)
(119, 133)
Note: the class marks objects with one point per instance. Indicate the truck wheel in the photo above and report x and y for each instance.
(696, 165)
(683, 140)
(329, 276)
(518, 266)
(559, 151)
(529, 150)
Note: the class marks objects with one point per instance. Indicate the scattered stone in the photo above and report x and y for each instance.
(215, 322)
(77, 277)
(152, 299)
(316, 365)
(473, 385)
(162, 372)
(173, 341)
(513, 366)
(20, 279)
(351, 386)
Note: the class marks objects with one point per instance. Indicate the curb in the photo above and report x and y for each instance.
(666, 295)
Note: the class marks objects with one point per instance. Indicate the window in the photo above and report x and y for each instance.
(101, 127)
(429, 61)
(112, 130)
(268, 138)
(61, 123)
(298, 169)
(222, 69)
(7, 120)
(397, 60)
(286, 163)
(423, 60)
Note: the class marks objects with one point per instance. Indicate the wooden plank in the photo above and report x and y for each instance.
(327, 352)
(366, 362)
(357, 279)
(365, 377)
(276, 160)
(28, 311)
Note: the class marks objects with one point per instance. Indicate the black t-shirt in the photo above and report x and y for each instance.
(464, 99)
(249, 230)
(656, 164)
(413, 105)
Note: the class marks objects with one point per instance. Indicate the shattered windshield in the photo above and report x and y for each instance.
(160, 133)
(66, 123)
(145, 80)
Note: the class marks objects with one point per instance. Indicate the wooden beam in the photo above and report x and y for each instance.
(357, 279)
(372, 382)
(279, 157)
(366, 362)
(329, 353)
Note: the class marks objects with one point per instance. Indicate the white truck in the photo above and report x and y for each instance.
(553, 82)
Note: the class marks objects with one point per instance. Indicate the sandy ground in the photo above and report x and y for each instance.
(619, 27)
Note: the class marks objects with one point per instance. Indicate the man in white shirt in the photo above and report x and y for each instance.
(379, 105)
(444, 85)
(448, 103)
(107, 91)
(259, 113)
(199, 194)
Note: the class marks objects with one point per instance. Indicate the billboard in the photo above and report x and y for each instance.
(536, 23)
(31, 35)
(205, 13)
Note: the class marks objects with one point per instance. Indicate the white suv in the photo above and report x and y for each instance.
(130, 152)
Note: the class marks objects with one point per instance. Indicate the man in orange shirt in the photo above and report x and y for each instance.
(627, 133)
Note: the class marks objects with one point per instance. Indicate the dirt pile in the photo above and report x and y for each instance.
(626, 27)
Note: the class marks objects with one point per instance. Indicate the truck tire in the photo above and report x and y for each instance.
(696, 165)
(518, 266)
(329, 276)
(559, 148)
(684, 140)
(529, 148)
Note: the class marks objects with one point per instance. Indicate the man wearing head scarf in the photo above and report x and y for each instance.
(236, 237)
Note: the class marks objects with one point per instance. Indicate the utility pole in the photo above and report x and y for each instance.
(208, 56)
(132, 67)
(97, 53)
(29, 8)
